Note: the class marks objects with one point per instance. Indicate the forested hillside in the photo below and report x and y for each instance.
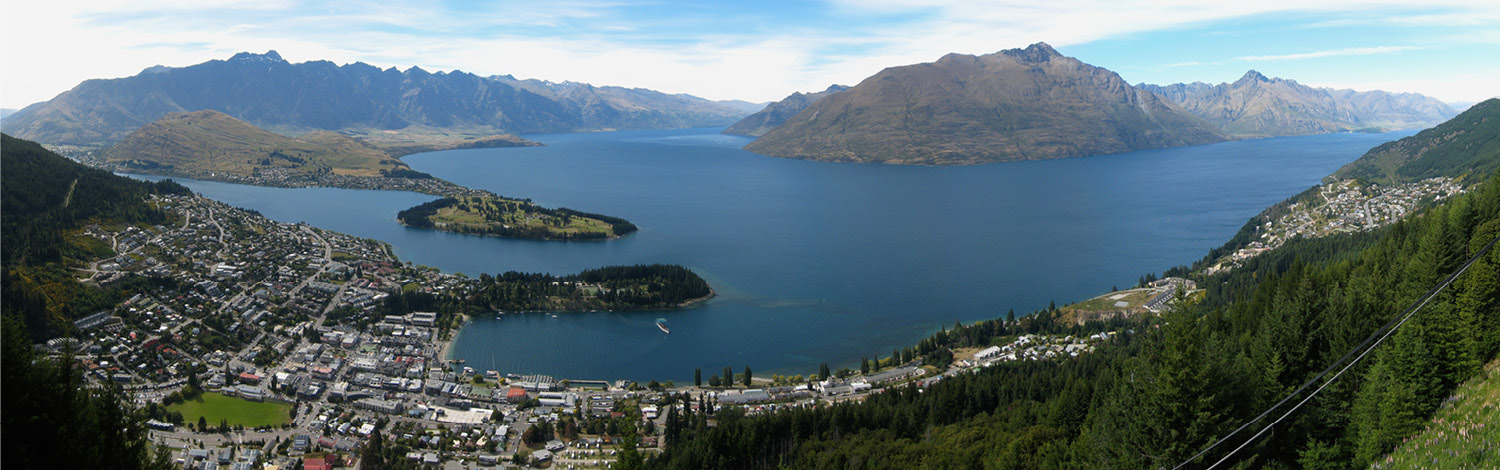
(45, 196)
(51, 418)
(1184, 380)
(1467, 144)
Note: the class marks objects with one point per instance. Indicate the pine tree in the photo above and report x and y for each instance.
(373, 457)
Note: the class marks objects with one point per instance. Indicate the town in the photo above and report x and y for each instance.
(290, 330)
(1341, 207)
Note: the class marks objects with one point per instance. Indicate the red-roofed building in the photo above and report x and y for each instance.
(516, 395)
(246, 377)
(319, 463)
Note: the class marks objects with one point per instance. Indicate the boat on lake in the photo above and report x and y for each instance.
(661, 323)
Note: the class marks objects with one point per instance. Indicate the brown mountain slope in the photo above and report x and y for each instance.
(774, 114)
(1017, 104)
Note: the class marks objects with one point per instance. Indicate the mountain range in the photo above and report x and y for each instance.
(774, 114)
(1258, 106)
(269, 92)
(1016, 104)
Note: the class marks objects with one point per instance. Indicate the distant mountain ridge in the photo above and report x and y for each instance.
(1468, 144)
(269, 92)
(774, 114)
(1016, 104)
(1258, 106)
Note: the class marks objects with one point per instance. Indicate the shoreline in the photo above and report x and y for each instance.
(445, 352)
(694, 302)
(439, 187)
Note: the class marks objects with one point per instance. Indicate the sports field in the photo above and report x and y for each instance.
(214, 406)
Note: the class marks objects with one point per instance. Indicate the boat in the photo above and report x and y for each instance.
(662, 324)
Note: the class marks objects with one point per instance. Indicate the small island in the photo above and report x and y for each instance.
(514, 218)
(638, 287)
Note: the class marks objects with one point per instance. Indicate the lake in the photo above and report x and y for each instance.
(815, 261)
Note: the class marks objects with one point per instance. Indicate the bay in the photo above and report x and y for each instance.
(815, 262)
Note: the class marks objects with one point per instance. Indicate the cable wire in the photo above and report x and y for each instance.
(1378, 336)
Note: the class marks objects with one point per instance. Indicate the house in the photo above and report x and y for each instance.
(557, 399)
(555, 445)
(988, 353)
(541, 456)
(382, 406)
(748, 396)
(250, 392)
(424, 318)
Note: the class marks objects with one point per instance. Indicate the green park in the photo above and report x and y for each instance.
(215, 408)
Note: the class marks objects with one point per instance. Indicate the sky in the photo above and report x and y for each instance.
(766, 49)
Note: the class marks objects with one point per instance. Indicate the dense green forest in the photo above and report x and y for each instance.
(1155, 398)
(46, 196)
(513, 218)
(609, 288)
(53, 421)
(639, 287)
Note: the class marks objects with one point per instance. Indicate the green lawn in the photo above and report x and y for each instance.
(214, 406)
(1135, 298)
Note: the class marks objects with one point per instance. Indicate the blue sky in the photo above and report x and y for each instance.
(764, 50)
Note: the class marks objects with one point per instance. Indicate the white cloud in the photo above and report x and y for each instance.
(48, 47)
(1331, 53)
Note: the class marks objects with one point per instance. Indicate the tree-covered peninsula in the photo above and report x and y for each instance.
(638, 287)
(514, 218)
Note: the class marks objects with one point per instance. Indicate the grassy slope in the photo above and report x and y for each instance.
(214, 406)
(1465, 432)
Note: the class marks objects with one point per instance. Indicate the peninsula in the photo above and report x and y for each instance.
(514, 218)
(210, 145)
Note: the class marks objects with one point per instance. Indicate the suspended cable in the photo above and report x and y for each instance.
(1377, 337)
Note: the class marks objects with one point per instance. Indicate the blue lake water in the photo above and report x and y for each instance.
(816, 261)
